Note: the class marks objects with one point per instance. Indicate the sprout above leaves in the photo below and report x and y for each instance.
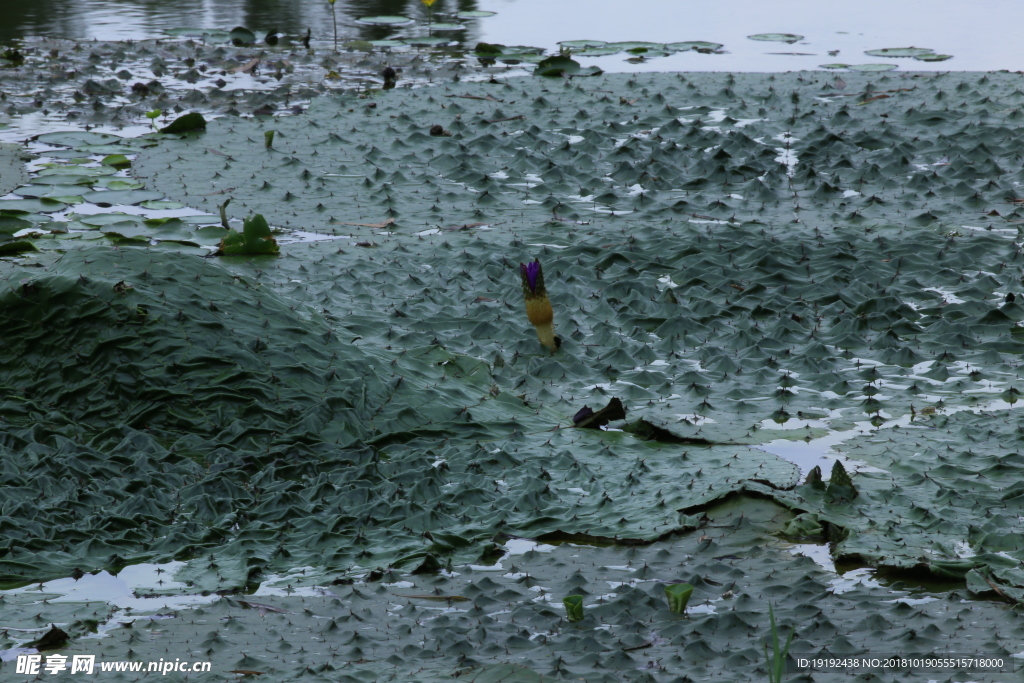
(678, 595)
(573, 607)
(255, 239)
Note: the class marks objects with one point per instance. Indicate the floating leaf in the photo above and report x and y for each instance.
(75, 138)
(41, 205)
(573, 607)
(17, 246)
(161, 205)
(636, 45)
(574, 44)
(186, 123)
(834, 66)
(474, 14)
(254, 239)
(107, 149)
(385, 21)
(209, 235)
(216, 34)
(557, 65)
(777, 37)
(101, 219)
(899, 52)
(126, 197)
(201, 219)
(872, 67)
(118, 183)
(76, 170)
(932, 58)
(387, 43)
(488, 49)
(427, 40)
(36, 191)
(695, 45)
(10, 225)
(130, 230)
(116, 160)
(241, 36)
(358, 45)
(678, 595)
(174, 230)
(596, 51)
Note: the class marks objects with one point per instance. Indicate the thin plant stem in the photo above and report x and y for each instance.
(334, 19)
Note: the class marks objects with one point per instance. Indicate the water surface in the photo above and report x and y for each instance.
(981, 36)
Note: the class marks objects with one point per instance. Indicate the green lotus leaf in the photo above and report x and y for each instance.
(573, 44)
(116, 160)
(241, 36)
(636, 45)
(358, 46)
(678, 595)
(122, 196)
(596, 52)
(203, 219)
(118, 183)
(131, 230)
(427, 41)
(64, 180)
(100, 219)
(557, 65)
(77, 170)
(872, 67)
(50, 191)
(186, 123)
(41, 205)
(77, 138)
(384, 21)
(255, 239)
(695, 45)
(573, 607)
(10, 247)
(10, 225)
(488, 49)
(900, 52)
(157, 205)
(776, 37)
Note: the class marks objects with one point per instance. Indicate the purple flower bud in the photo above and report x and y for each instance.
(531, 271)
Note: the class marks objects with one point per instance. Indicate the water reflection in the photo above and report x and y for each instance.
(138, 19)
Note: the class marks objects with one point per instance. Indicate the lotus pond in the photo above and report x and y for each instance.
(350, 459)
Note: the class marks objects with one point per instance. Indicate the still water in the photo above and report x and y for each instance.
(980, 35)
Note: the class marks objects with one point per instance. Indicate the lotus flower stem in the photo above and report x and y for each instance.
(430, 15)
(334, 19)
